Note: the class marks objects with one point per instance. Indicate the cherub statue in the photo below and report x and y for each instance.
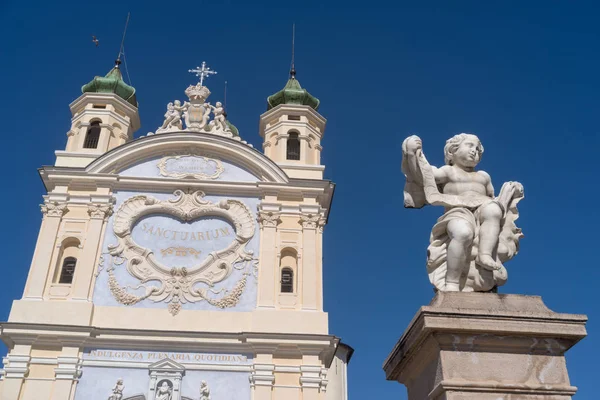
(173, 116)
(219, 120)
(117, 390)
(477, 232)
(204, 391)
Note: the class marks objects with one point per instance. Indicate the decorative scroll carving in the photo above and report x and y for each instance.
(178, 285)
(269, 218)
(54, 208)
(163, 166)
(100, 211)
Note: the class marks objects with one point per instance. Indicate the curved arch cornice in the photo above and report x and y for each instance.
(147, 147)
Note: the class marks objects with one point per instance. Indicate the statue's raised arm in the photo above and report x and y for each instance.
(477, 233)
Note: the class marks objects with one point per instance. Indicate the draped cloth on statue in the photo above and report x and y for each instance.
(422, 190)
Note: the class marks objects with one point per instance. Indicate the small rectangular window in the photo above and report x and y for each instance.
(102, 106)
(287, 281)
(294, 117)
(68, 270)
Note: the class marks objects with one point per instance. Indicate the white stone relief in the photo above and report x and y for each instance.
(190, 166)
(477, 233)
(177, 285)
(117, 390)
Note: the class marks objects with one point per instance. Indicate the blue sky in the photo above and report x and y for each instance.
(521, 75)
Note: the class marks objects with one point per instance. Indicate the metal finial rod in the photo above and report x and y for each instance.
(203, 72)
(121, 49)
(293, 67)
(225, 97)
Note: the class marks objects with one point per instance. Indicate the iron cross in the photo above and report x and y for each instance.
(203, 72)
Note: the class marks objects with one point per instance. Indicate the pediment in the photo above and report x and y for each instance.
(164, 155)
(166, 365)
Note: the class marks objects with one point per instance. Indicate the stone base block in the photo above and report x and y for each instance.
(480, 346)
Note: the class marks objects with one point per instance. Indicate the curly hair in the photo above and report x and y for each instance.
(453, 143)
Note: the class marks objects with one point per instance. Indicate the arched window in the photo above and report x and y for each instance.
(68, 270)
(287, 280)
(92, 136)
(293, 147)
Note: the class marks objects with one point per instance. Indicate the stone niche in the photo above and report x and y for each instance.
(486, 346)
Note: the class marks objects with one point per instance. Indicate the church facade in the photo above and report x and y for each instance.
(183, 264)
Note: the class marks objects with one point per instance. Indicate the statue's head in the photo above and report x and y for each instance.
(177, 103)
(218, 104)
(463, 149)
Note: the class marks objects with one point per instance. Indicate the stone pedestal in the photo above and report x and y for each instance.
(486, 346)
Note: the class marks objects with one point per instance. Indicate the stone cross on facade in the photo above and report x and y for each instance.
(203, 72)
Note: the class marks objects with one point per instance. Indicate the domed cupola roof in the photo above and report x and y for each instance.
(293, 93)
(112, 83)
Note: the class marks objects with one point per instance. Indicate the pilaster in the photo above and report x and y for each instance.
(67, 373)
(16, 368)
(311, 290)
(84, 273)
(262, 379)
(53, 212)
(267, 286)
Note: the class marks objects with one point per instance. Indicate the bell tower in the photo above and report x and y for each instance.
(292, 130)
(105, 116)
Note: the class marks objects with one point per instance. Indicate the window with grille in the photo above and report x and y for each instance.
(287, 280)
(68, 270)
(93, 136)
(293, 147)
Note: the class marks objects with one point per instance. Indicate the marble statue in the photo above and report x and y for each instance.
(164, 391)
(173, 117)
(204, 391)
(477, 234)
(117, 390)
(219, 116)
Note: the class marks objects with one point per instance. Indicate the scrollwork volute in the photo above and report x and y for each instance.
(178, 285)
(269, 219)
(53, 208)
(311, 221)
(100, 211)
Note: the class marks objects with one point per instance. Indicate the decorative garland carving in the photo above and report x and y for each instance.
(177, 285)
(162, 166)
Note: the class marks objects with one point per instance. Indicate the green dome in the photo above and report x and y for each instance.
(293, 93)
(112, 83)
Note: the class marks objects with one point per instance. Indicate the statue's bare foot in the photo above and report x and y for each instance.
(487, 262)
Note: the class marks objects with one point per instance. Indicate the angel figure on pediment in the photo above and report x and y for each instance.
(219, 122)
(173, 116)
